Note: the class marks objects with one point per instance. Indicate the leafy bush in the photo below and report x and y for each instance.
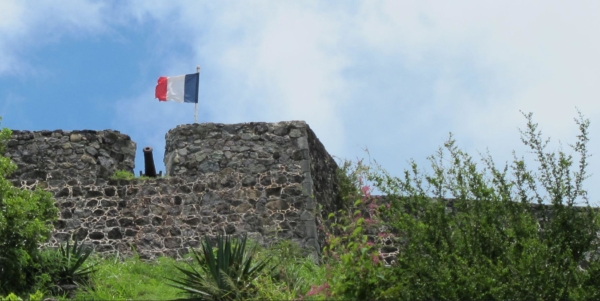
(354, 268)
(226, 275)
(470, 233)
(25, 222)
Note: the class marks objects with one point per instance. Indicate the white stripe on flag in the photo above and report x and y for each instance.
(176, 90)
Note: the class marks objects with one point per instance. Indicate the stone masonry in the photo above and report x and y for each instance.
(69, 155)
(268, 180)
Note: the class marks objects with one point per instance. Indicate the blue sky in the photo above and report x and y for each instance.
(393, 77)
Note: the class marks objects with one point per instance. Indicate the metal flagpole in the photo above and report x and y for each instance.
(196, 104)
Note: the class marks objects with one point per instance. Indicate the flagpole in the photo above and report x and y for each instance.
(196, 104)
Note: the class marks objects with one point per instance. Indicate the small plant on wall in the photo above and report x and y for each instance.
(122, 175)
(125, 175)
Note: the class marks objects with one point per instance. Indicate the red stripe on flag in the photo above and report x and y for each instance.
(161, 89)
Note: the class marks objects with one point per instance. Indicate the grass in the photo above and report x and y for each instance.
(131, 278)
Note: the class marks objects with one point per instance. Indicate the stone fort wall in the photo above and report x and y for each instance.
(268, 180)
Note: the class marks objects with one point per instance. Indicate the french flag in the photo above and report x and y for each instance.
(182, 88)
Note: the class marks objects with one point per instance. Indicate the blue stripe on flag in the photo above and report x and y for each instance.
(191, 88)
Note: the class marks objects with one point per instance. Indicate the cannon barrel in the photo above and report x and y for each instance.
(150, 170)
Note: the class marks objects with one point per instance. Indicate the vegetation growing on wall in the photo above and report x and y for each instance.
(126, 175)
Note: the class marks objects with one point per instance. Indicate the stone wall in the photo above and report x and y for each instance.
(264, 179)
(70, 155)
(157, 217)
(282, 166)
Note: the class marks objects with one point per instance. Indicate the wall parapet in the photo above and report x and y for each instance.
(70, 155)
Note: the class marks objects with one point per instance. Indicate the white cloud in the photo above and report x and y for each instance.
(395, 76)
(276, 62)
(533, 56)
(30, 24)
(480, 62)
(295, 64)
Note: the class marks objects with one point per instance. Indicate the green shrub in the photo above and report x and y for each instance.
(25, 222)
(499, 241)
(354, 268)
